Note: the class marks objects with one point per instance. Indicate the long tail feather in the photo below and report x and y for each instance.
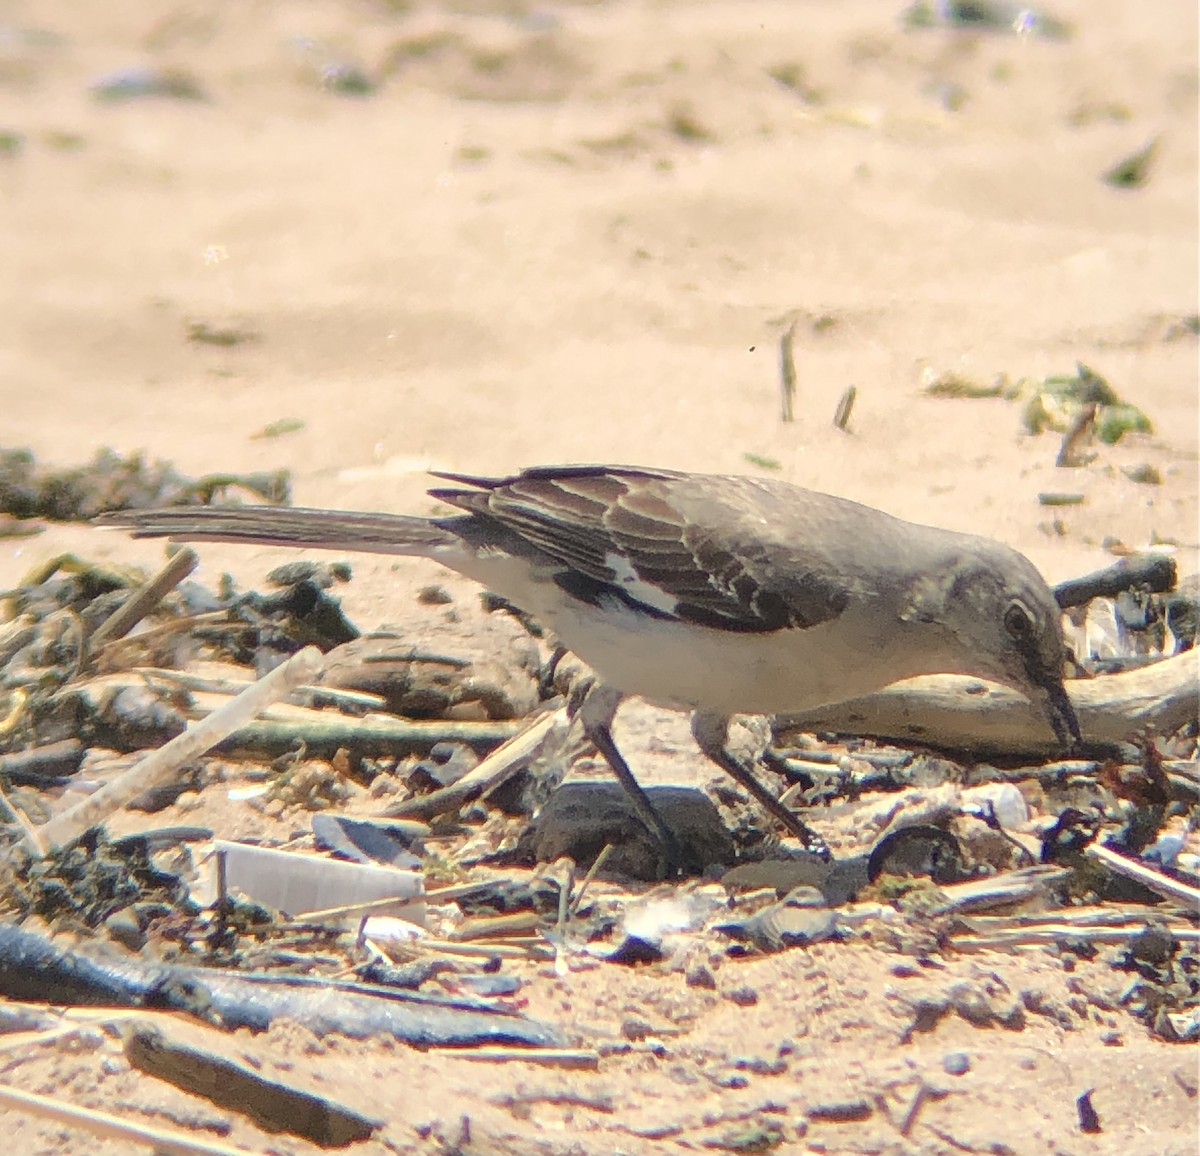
(278, 526)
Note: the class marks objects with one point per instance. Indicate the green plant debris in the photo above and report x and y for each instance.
(762, 462)
(223, 335)
(1188, 325)
(1134, 171)
(794, 77)
(1099, 112)
(422, 47)
(278, 429)
(471, 154)
(1061, 499)
(754, 1136)
(1057, 402)
(1115, 421)
(346, 80)
(489, 61)
(627, 142)
(1037, 417)
(1145, 475)
(111, 481)
(683, 123)
(952, 384)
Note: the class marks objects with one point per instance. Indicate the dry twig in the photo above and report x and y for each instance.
(161, 765)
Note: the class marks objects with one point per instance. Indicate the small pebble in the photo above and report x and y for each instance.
(1112, 1040)
(757, 1066)
(1089, 1118)
(742, 996)
(84, 1040)
(490, 985)
(346, 80)
(139, 83)
(732, 1080)
(123, 926)
(1154, 945)
(636, 1029)
(700, 976)
(956, 1063)
(434, 595)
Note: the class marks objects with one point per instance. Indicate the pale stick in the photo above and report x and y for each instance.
(162, 765)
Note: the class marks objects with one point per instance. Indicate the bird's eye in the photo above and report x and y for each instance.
(1018, 622)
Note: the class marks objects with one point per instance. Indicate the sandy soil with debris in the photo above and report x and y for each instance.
(575, 233)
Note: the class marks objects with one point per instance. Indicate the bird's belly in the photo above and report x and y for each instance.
(694, 667)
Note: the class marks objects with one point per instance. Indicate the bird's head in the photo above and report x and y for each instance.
(1004, 624)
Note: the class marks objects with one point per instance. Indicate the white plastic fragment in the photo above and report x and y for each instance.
(390, 929)
(1005, 799)
(301, 884)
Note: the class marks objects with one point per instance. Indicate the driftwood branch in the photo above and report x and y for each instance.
(1154, 572)
(980, 718)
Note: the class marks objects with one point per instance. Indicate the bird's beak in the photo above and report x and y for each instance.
(1052, 695)
(1061, 714)
(1046, 682)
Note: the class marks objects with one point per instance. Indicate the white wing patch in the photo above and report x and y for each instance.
(638, 588)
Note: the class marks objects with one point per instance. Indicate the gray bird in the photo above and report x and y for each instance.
(718, 595)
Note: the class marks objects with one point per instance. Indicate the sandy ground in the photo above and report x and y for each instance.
(565, 233)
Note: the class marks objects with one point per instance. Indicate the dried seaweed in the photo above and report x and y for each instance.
(112, 481)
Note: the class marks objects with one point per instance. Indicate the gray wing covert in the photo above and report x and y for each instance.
(699, 549)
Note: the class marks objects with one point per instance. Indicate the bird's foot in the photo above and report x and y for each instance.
(711, 733)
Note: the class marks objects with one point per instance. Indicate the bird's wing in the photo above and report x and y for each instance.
(699, 549)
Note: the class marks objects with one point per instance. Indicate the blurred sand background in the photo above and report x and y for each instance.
(575, 232)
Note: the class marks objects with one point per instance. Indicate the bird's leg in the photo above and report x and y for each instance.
(596, 714)
(711, 732)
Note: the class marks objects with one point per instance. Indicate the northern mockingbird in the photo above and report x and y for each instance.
(718, 595)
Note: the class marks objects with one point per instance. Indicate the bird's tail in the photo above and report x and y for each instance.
(282, 526)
